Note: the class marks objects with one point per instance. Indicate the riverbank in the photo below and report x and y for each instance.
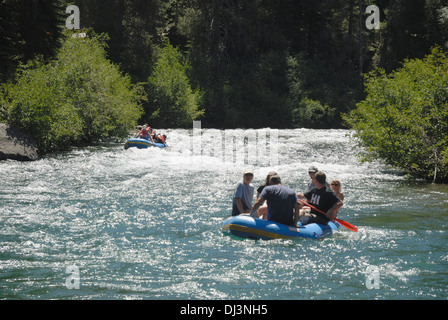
(17, 145)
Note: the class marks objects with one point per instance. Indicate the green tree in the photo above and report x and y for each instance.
(78, 98)
(404, 118)
(172, 102)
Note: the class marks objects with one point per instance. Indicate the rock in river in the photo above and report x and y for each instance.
(16, 145)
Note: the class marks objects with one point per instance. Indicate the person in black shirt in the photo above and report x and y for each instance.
(323, 199)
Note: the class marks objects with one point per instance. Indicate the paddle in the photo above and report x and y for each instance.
(341, 222)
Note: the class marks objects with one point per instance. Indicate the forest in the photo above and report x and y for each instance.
(247, 64)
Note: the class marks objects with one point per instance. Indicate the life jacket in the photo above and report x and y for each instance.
(161, 138)
(144, 132)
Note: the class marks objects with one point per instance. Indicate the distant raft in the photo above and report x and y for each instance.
(253, 228)
(142, 144)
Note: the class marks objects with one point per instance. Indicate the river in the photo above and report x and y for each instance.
(107, 223)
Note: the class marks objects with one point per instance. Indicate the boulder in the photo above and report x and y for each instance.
(16, 145)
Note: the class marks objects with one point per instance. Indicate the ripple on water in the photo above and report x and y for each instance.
(145, 224)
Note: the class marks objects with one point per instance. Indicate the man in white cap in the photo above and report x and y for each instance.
(312, 172)
(243, 194)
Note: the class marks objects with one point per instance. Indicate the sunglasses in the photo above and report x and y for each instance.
(335, 184)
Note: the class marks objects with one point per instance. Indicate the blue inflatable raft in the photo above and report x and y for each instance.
(247, 227)
(142, 144)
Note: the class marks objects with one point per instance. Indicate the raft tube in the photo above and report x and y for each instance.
(253, 228)
(142, 144)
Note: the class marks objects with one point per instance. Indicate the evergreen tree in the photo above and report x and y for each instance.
(28, 29)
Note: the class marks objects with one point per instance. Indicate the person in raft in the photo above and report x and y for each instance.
(145, 133)
(336, 187)
(312, 173)
(321, 198)
(243, 195)
(160, 138)
(283, 205)
(263, 210)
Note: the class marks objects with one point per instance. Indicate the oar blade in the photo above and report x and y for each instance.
(347, 225)
(341, 222)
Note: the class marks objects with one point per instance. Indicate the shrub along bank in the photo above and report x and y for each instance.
(78, 98)
(404, 119)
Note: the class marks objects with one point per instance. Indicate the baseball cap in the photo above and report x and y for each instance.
(312, 169)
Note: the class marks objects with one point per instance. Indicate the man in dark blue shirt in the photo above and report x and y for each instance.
(283, 205)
